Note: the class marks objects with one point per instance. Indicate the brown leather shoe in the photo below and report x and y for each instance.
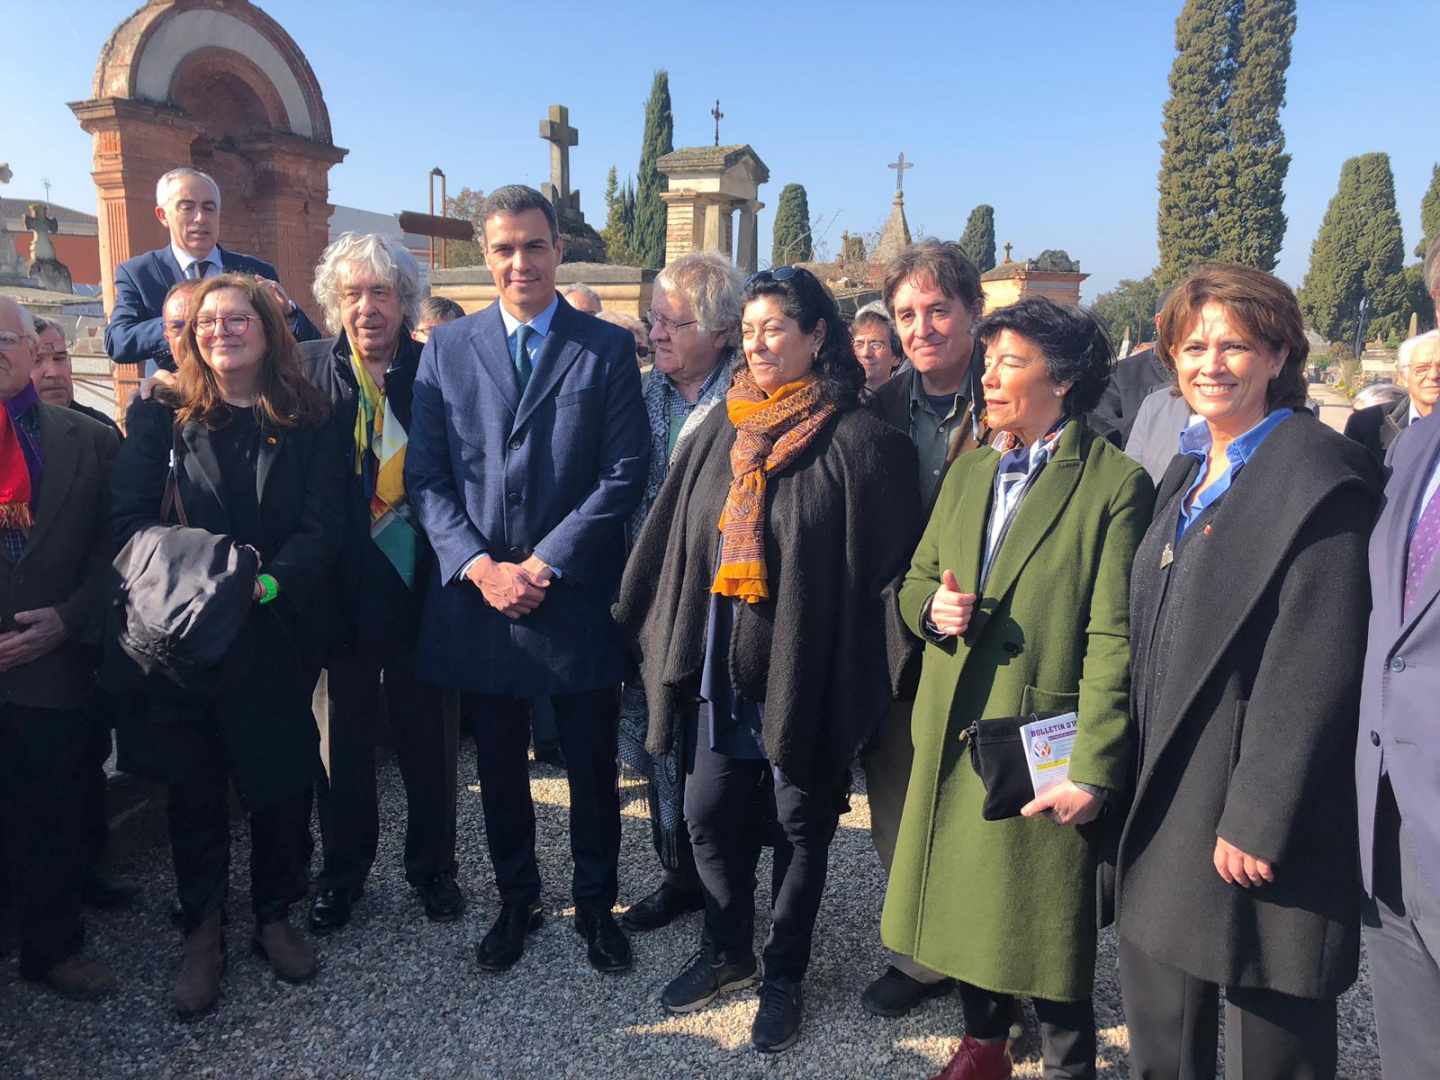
(79, 978)
(291, 957)
(197, 984)
(976, 1060)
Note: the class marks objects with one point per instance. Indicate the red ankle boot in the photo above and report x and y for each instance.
(976, 1060)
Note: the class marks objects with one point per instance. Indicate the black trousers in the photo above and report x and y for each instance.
(1174, 1021)
(1402, 938)
(587, 724)
(199, 815)
(1067, 1029)
(42, 776)
(685, 877)
(720, 808)
(96, 812)
(426, 748)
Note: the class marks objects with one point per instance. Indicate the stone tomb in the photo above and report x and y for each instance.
(707, 185)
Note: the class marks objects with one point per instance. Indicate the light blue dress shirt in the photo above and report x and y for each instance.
(1195, 441)
(539, 330)
(184, 258)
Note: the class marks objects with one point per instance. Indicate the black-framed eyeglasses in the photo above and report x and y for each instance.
(643, 351)
(670, 325)
(777, 273)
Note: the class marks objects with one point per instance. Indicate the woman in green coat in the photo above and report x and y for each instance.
(1020, 590)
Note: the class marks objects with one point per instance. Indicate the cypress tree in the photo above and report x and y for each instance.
(647, 239)
(615, 234)
(978, 240)
(1194, 137)
(1430, 213)
(1357, 255)
(1250, 217)
(792, 240)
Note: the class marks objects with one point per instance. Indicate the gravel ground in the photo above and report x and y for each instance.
(398, 996)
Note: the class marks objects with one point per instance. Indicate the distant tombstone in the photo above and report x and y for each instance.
(44, 266)
(707, 185)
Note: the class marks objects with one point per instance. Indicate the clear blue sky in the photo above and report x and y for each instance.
(1050, 111)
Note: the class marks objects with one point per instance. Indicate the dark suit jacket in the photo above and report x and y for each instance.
(98, 416)
(1249, 732)
(1377, 427)
(263, 717)
(135, 333)
(377, 615)
(1130, 383)
(1402, 669)
(892, 402)
(65, 562)
(555, 472)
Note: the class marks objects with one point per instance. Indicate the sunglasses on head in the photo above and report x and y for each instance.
(779, 273)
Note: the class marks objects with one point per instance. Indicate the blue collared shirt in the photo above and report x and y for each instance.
(539, 329)
(184, 258)
(1195, 441)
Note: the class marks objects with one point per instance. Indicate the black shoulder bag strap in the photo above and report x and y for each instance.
(171, 500)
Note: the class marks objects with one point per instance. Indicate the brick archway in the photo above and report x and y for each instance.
(250, 112)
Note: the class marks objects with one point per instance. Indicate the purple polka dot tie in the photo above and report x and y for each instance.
(1423, 545)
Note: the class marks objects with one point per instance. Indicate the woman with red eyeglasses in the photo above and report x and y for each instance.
(255, 459)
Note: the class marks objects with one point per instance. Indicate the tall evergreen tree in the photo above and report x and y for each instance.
(1194, 136)
(615, 233)
(1250, 216)
(1357, 256)
(978, 240)
(792, 240)
(647, 236)
(1430, 213)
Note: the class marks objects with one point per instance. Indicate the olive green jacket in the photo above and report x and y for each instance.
(1011, 905)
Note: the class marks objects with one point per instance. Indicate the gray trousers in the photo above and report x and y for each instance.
(887, 775)
(1402, 938)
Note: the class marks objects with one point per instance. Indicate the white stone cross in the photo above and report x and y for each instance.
(561, 136)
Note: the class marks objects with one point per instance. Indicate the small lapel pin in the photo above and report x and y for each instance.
(1167, 556)
(1207, 530)
(273, 439)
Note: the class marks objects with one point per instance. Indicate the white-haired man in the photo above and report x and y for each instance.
(187, 203)
(582, 298)
(1378, 426)
(369, 289)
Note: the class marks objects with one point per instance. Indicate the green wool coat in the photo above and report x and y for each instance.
(1010, 906)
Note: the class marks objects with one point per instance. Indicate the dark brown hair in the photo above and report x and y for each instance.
(286, 399)
(944, 264)
(1262, 307)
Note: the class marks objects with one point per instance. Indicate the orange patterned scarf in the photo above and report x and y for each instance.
(770, 432)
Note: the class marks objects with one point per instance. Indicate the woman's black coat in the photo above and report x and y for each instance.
(824, 651)
(1250, 735)
(263, 714)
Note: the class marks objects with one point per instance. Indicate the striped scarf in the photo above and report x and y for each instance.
(380, 442)
(770, 433)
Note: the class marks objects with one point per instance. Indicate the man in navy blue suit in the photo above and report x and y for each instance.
(528, 451)
(187, 203)
(1397, 761)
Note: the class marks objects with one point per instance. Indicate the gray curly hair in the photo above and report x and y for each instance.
(711, 286)
(383, 256)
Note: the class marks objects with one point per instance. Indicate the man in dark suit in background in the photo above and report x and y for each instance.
(1378, 426)
(54, 556)
(1397, 761)
(528, 450)
(1132, 380)
(187, 203)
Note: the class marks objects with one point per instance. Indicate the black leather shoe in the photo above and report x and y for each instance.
(505, 943)
(330, 910)
(105, 893)
(777, 1023)
(661, 908)
(609, 947)
(443, 900)
(894, 993)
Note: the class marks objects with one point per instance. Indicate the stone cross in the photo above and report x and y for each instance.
(561, 136)
(900, 165)
(1007, 251)
(718, 115)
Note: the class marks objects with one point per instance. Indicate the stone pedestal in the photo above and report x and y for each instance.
(707, 185)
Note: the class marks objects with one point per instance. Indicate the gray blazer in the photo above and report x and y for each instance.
(1154, 437)
(1402, 668)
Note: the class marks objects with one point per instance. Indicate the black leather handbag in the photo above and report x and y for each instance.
(998, 757)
